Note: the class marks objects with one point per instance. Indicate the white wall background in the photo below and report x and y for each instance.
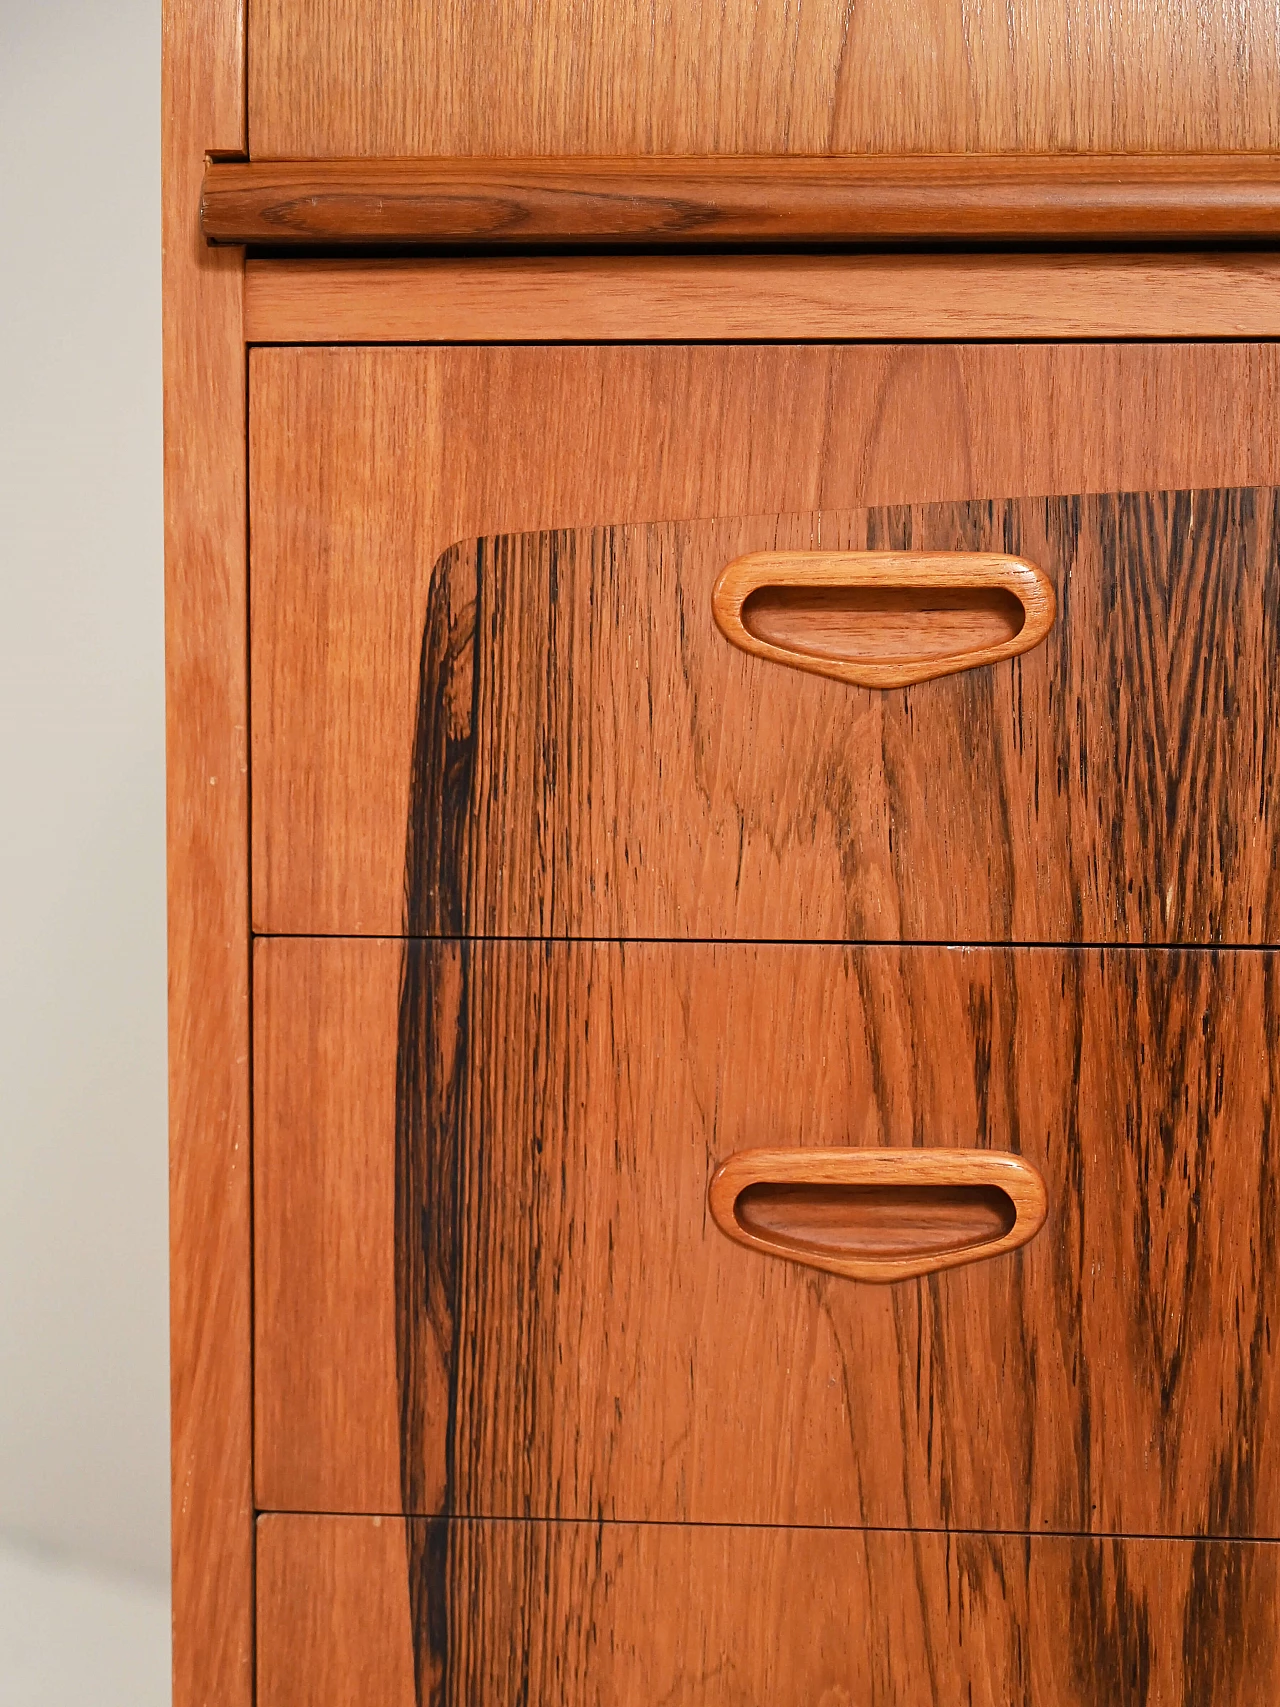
(83, 1307)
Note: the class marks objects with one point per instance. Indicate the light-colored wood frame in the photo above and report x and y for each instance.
(688, 298)
(205, 644)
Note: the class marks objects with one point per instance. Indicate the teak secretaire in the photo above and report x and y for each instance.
(723, 616)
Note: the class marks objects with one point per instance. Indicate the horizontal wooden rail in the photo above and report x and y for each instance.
(594, 298)
(673, 203)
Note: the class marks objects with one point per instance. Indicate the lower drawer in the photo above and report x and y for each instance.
(487, 1282)
(357, 1611)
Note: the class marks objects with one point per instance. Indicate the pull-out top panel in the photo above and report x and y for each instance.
(589, 755)
(337, 78)
(1019, 798)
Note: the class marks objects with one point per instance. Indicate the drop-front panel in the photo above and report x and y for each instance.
(343, 78)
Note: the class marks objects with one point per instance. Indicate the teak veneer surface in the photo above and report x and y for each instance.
(353, 1611)
(346, 78)
(588, 203)
(576, 299)
(488, 1281)
(366, 464)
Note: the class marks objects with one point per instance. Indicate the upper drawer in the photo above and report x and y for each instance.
(547, 734)
(335, 78)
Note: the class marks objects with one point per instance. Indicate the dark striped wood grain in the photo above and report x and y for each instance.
(488, 1283)
(352, 1611)
(592, 758)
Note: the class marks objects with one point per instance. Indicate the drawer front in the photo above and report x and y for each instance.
(340, 77)
(488, 1282)
(624, 771)
(357, 1610)
(591, 757)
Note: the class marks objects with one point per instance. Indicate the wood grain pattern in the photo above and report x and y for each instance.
(489, 1283)
(344, 78)
(792, 297)
(366, 464)
(883, 619)
(208, 834)
(1111, 785)
(665, 202)
(589, 1614)
(879, 1214)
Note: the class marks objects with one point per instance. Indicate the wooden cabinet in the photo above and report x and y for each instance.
(703, 784)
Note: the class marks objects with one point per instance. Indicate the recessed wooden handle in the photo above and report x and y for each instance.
(883, 619)
(878, 1214)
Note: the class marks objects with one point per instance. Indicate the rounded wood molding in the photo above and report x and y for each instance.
(742, 200)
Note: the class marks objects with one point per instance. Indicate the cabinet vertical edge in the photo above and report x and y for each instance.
(203, 109)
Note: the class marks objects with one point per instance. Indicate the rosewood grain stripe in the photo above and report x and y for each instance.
(576, 1338)
(432, 1071)
(444, 749)
(1111, 784)
(585, 1615)
(431, 1074)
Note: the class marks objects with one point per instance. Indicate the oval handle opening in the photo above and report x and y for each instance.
(883, 618)
(878, 1214)
(875, 1221)
(871, 625)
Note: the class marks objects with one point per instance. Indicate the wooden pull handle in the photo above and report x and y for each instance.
(879, 1214)
(883, 619)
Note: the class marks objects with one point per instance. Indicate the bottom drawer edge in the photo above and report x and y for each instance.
(384, 1612)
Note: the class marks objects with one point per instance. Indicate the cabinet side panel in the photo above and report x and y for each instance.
(204, 472)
